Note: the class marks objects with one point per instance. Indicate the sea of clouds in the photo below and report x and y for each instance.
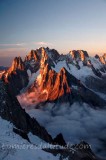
(77, 122)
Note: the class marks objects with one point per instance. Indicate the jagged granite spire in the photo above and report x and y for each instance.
(16, 76)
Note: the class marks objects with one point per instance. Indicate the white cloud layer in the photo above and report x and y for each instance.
(76, 123)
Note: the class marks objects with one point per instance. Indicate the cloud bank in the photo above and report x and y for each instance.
(76, 123)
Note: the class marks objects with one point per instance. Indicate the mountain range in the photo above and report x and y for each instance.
(46, 78)
(52, 76)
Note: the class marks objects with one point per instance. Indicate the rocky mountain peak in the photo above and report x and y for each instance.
(52, 86)
(17, 64)
(37, 59)
(32, 60)
(79, 55)
(46, 61)
(103, 59)
(97, 56)
(63, 82)
(16, 76)
(33, 55)
(53, 54)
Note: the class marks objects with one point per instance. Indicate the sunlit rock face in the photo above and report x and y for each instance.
(44, 60)
(103, 59)
(32, 60)
(16, 76)
(33, 54)
(37, 58)
(79, 55)
(51, 85)
(56, 84)
(17, 64)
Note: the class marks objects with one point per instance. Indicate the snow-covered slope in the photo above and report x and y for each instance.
(13, 147)
(81, 73)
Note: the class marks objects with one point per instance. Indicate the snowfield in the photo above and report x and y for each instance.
(13, 147)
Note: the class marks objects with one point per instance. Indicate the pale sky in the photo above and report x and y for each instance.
(61, 24)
